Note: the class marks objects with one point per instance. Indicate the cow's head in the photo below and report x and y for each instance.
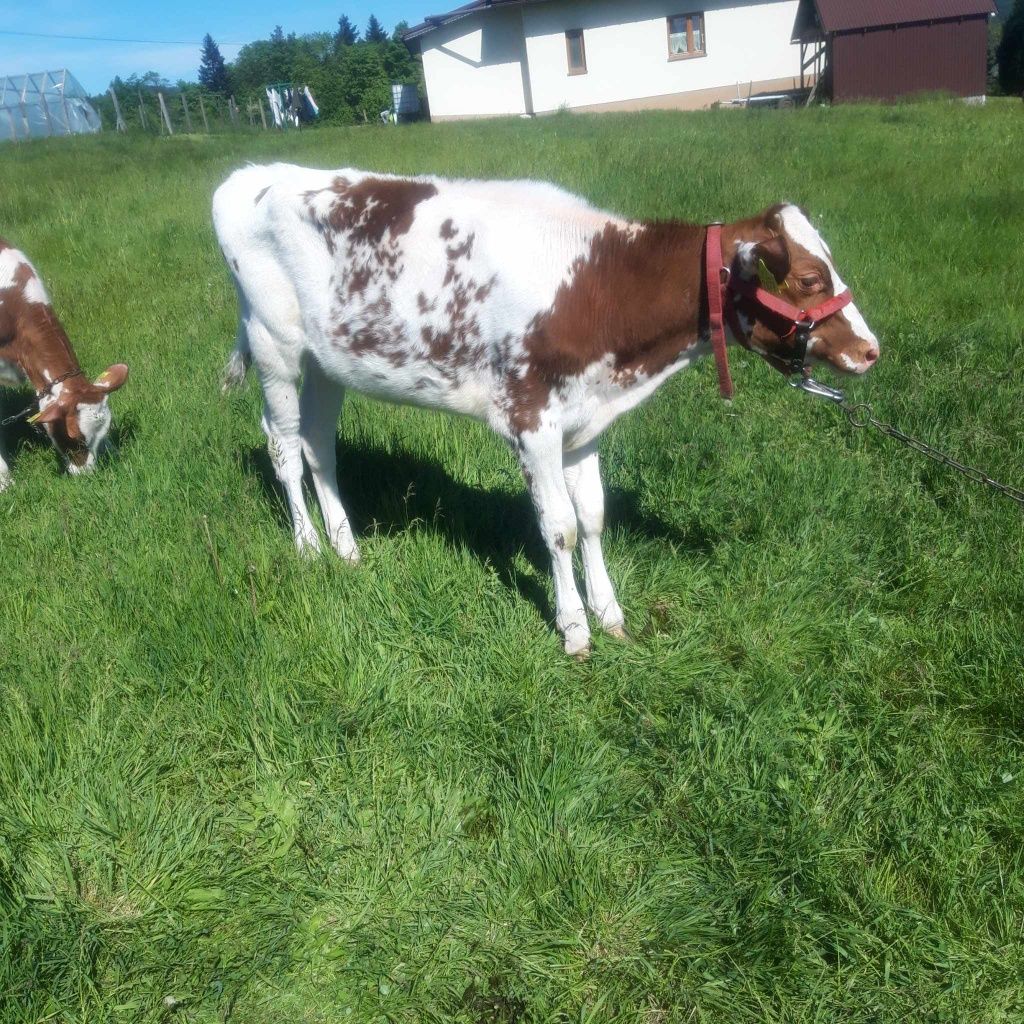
(76, 415)
(783, 252)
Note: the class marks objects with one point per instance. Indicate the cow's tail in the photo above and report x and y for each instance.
(237, 366)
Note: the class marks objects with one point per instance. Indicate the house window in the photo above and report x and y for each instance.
(686, 36)
(576, 51)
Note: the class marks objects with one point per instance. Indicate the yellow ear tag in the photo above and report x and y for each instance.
(767, 279)
(32, 419)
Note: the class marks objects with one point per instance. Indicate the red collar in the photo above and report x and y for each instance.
(721, 306)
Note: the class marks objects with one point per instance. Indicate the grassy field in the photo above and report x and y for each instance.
(237, 786)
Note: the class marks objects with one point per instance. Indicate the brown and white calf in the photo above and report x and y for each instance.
(513, 302)
(34, 347)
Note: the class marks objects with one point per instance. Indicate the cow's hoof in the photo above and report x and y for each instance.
(345, 547)
(619, 632)
(308, 549)
(577, 643)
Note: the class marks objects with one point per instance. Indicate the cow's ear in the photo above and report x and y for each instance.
(54, 411)
(772, 218)
(773, 252)
(112, 378)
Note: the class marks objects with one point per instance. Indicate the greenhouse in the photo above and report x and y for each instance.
(47, 103)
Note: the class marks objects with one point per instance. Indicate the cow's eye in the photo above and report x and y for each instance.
(810, 283)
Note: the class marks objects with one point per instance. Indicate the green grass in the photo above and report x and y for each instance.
(275, 791)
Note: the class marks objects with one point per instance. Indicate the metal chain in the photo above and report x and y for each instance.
(862, 416)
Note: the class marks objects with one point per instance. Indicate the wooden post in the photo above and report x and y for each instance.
(142, 114)
(163, 110)
(14, 127)
(263, 115)
(118, 119)
(188, 116)
(233, 110)
(202, 110)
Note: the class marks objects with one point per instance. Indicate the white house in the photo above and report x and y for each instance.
(494, 57)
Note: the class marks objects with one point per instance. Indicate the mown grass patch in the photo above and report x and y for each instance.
(265, 790)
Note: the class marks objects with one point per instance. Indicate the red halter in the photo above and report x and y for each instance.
(721, 306)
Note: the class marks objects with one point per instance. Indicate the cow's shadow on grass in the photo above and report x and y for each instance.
(22, 435)
(393, 491)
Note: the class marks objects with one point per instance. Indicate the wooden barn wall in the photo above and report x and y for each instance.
(888, 62)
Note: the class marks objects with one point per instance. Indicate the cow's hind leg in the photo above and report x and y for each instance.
(320, 406)
(583, 480)
(281, 425)
(541, 459)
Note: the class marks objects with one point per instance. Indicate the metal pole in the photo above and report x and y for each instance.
(24, 110)
(64, 102)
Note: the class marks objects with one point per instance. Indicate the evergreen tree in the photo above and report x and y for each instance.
(277, 36)
(346, 34)
(213, 72)
(400, 29)
(375, 31)
(1011, 52)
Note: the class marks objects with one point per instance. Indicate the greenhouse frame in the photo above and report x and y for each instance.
(47, 103)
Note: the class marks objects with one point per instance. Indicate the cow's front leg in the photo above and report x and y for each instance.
(281, 425)
(541, 458)
(583, 480)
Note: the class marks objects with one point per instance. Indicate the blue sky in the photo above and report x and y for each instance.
(94, 64)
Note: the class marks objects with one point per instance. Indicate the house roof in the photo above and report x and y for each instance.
(833, 15)
(433, 21)
(847, 15)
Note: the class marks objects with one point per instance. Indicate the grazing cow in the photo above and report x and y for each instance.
(33, 346)
(513, 302)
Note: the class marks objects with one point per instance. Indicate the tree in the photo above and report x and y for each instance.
(213, 72)
(347, 35)
(400, 29)
(375, 31)
(1010, 53)
(277, 36)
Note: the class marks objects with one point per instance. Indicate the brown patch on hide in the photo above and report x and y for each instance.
(359, 281)
(456, 343)
(449, 230)
(636, 297)
(375, 207)
(459, 251)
